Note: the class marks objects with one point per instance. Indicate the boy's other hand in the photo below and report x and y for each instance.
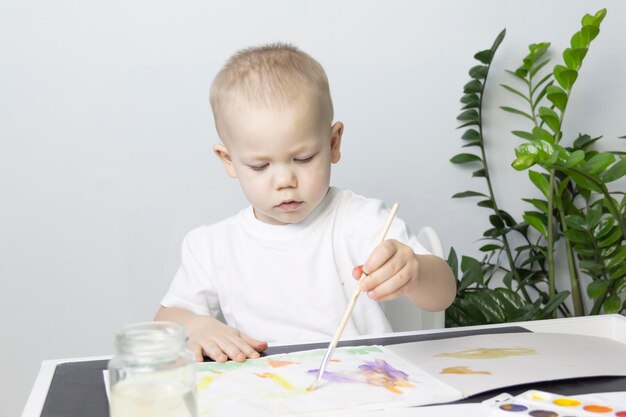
(391, 271)
(218, 341)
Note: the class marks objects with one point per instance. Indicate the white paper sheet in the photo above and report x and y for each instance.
(357, 378)
(480, 363)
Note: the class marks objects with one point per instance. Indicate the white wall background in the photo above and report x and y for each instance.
(106, 135)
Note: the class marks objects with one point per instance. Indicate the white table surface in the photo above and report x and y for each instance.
(611, 326)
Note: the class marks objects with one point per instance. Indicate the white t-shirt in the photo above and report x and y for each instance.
(287, 283)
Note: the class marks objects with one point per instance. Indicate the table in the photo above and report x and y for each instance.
(75, 387)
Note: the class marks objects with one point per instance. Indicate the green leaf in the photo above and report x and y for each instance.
(617, 258)
(580, 40)
(471, 134)
(498, 41)
(540, 182)
(577, 236)
(480, 173)
(523, 162)
(464, 158)
(471, 115)
(479, 72)
(522, 134)
(594, 20)
(538, 67)
(485, 203)
(540, 204)
(533, 220)
(603, 228)
(612, 305)
(576, 222)
(496, 221)
(598, 163)
(490, 307)
(453, 262)
(574, 158)
(518, 112)
(597, 288)
(614, 236)
(468, 194)
(574, 57)
(550, 118)
(564, 76)
(582, 181)
(472, 272)
(583, 141)
(557, 96)
(490, 247)
(470, 99)
(484, 56)
(555, 302)
(473, 86)
(514, 91)
(543, 134)
(616, 172)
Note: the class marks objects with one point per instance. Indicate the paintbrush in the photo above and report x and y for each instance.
(346, 315)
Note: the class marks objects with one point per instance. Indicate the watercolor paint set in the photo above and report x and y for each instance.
(545, 404)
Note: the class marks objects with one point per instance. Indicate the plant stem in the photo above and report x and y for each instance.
(550, 232)
(505, 241)
(577, 300)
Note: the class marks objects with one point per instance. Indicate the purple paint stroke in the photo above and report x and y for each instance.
(378, 367)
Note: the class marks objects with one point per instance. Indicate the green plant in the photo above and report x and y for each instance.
(579, 211)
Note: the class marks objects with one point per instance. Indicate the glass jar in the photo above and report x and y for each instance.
(153, 373)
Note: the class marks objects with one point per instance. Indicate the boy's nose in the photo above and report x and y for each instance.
(285, 178)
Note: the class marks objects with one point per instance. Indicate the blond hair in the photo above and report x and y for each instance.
(273, 76)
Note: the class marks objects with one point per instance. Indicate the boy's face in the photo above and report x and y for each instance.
(281, 157)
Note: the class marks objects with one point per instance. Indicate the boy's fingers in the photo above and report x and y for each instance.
(196, 349)
(357, 272)
(214, 352)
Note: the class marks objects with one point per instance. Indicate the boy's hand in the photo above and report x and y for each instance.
(392, 270)
(218, 341)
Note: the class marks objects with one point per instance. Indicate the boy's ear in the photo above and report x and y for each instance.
(336, 132)
(222, 153)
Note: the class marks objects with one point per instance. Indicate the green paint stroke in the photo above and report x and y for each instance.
(261, 363)
(362, 350)
(232, 365)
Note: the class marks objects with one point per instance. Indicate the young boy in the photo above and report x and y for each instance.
(283, 269)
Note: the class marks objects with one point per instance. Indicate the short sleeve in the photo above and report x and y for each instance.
(365, 219)
(192, 288)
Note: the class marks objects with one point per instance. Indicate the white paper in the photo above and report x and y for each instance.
(480, 363)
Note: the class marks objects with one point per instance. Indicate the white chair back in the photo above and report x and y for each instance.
(401, 313)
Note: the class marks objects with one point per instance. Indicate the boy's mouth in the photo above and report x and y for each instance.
(289, 205)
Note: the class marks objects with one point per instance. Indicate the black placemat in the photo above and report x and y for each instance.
(77, 388)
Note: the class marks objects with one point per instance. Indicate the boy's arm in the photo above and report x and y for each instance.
(435, 286)
(395, 270)
(209, 336)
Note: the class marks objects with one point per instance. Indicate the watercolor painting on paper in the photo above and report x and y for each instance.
(479, 363)
(357, 378)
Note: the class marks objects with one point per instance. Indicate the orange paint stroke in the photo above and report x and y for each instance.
(462, 370)
(278, 364)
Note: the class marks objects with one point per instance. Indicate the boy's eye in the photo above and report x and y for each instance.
(258, 168)
(304, 160)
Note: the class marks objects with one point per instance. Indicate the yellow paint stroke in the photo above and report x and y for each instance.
(278, 364)
(462, 370)
(489, 353)
(282, 382)
(204, 382)
(386, 382)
